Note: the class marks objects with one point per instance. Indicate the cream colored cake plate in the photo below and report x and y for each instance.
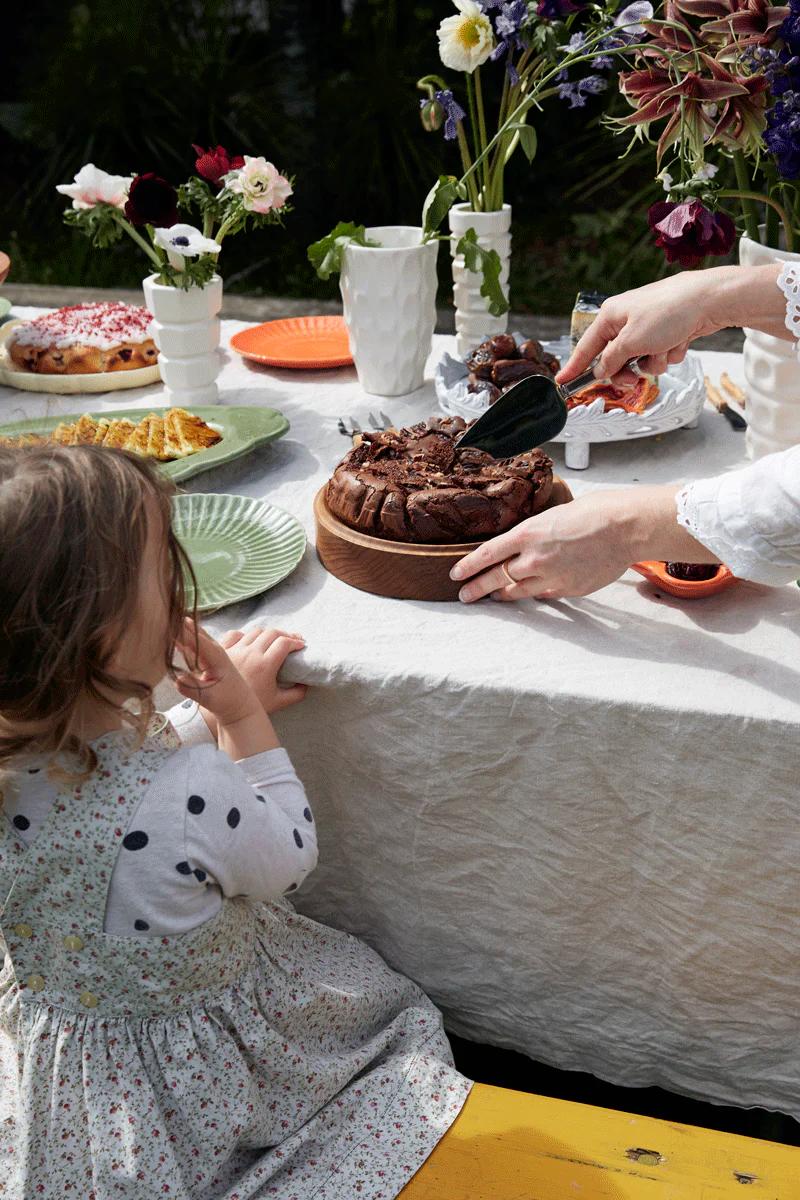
(69, 385)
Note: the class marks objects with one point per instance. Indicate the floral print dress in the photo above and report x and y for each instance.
(258, 1055)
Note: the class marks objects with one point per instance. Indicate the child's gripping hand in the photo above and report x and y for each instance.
(258, 655)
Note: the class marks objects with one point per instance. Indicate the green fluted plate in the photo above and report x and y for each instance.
(242, 427)
(238, 546)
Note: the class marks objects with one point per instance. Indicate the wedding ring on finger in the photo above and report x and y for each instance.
(505, 569)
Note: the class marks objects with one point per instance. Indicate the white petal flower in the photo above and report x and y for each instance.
(260, 184)
(465, 41)
(182, 242)
(93, 186)
(666, 180)
(707, 171)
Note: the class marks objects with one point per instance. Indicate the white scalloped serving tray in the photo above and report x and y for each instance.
(680, 402)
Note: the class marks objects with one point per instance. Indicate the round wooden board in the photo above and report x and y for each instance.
(401, 570)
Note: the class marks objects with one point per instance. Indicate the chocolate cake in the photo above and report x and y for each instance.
(415, 485)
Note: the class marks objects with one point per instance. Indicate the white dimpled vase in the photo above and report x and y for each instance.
(186, 330)
(389, 301)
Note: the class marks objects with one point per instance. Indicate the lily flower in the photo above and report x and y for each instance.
(655, 95)
(735, 24)
(182, 242)
(92, 186)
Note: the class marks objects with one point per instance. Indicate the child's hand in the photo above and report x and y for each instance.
(258, 654)
(212, 679)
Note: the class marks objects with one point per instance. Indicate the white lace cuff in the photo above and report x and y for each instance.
(789, 283)
(750, 518)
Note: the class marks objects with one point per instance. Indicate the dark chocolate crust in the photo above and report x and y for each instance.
(415, 485)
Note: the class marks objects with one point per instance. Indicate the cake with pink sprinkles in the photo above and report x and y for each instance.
(85, 339)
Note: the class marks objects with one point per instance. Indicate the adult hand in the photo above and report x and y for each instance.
(655, 323)
(576, 548)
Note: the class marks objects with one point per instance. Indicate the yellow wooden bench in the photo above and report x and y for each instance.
(508, 1145)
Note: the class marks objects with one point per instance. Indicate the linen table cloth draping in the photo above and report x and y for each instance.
(574, 824)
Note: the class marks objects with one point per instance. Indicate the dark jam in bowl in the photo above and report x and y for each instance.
(692, 571)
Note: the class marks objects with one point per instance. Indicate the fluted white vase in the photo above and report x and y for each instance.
(771, 371)
(186, 331)
(473, 319)
(389, 299)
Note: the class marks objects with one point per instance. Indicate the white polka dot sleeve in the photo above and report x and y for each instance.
(750, 518)
(248, 826)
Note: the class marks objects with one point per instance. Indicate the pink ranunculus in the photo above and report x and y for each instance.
(260, 184)
(688, 232)
(214, 163)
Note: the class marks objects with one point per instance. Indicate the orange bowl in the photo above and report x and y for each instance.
(299, 343)
(685, 589)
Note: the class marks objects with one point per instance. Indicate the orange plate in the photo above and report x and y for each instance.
(302, 343)
(686, 589)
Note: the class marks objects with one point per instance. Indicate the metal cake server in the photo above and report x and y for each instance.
(529, 413)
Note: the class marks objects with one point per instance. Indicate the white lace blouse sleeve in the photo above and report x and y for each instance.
(789, 283)
(750, 518)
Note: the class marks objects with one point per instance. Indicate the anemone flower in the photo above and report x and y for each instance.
(689, 232)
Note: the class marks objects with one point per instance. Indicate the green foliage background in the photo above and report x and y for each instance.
(324, 88)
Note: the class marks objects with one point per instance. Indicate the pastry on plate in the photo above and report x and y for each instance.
(166, 436)
(85, 339)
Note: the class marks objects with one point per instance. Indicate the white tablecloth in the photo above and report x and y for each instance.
(574, 824)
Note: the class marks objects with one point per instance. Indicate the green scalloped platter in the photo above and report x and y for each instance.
(239, 546)
(243, 427)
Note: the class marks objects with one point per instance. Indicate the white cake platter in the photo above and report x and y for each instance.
(679, 404)
(68, 385)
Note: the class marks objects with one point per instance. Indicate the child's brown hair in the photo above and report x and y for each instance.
(73, 528)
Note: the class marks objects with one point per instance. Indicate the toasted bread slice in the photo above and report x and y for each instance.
(191, 433)
(64, 434)
(138, 440)
(118, 433)
(85, 430)
(155, 441)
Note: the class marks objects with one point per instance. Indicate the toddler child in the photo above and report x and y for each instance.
(169, 1025)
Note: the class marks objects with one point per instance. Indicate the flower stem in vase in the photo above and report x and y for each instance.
(487, 178)
(749, 211)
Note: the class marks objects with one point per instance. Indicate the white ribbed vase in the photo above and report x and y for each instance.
(186, 331)
(473, 320)
(772, 372)
(389, 299)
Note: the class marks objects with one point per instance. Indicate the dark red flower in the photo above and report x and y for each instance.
(212, 164)
(152, 201)
(688, 232)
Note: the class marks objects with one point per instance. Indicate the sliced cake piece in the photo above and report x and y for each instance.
(85, 430)
(64, 434)
(155, 441)
(118, 433)
(138, 440)
(191, 432)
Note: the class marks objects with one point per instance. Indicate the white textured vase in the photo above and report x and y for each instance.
(186, 331)
(473, 319)
(772, 372)
(389, 298)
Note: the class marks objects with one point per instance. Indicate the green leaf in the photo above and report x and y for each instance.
(99, 224)
(527, 139)
(439, 201)
(325, 255)
(486, 262)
